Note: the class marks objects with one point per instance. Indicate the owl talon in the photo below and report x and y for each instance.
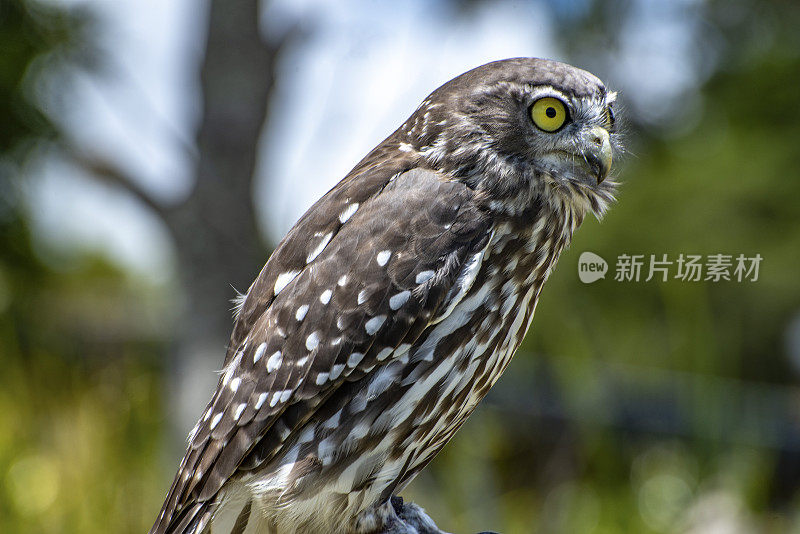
(397, 503)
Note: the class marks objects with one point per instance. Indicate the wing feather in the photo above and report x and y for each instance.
(411, 232)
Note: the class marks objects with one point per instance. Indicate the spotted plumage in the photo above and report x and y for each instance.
(393, 305)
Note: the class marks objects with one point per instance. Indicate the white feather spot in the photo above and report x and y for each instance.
(301, 312)
(383, 378)
(405, 147)
(235, 384)
(340, 323)
(383, 257)
(283, 280)
(358, 403)
(336, 371)
(215, 420)
(384, 353)
(274, 361)
(312, 341)
(397, 301)
(322, 378)
(325, 297)
(362, 296)
(333, 421)
(326, 451)
(231, 368)
(348, 212)
(260, 401)
(274, 400)
(307, 434)
(301, 362)
(354, 359)
(342, 281)
(319, 248)
(336, 341)
(374, 324)
(424, 276)
(511, 265)
(285, 394)
(259, 352)
(239, 409)
(359, 431)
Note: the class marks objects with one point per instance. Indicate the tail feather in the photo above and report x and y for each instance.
(191, 520)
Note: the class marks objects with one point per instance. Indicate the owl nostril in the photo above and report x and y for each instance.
(597, 140)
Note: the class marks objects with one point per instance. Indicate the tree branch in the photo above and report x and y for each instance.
(107, 172)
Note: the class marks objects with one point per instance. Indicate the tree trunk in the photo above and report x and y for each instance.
(215, 230)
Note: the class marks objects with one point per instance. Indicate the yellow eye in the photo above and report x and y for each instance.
(549, 114)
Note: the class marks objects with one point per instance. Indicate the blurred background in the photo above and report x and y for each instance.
(153, 152)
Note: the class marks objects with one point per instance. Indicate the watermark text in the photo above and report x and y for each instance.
(662, 267)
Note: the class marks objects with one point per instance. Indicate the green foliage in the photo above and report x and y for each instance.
(80, 406)
(29, 31)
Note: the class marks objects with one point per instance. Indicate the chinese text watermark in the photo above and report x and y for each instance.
(663, 267)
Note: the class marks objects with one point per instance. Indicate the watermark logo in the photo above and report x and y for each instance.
(663, 267)
(591, 267)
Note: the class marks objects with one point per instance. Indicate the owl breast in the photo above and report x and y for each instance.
(375, 434)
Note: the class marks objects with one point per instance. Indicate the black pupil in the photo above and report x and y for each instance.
(550, 112)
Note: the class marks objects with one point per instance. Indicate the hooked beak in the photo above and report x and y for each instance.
(597, 151)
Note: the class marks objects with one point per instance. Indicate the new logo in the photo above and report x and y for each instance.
(591, 267)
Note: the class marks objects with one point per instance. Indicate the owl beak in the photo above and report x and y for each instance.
(597, 151)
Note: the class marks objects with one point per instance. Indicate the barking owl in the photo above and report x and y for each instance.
(394, 304)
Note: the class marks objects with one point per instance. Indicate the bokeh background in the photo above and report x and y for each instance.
(153, 152)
